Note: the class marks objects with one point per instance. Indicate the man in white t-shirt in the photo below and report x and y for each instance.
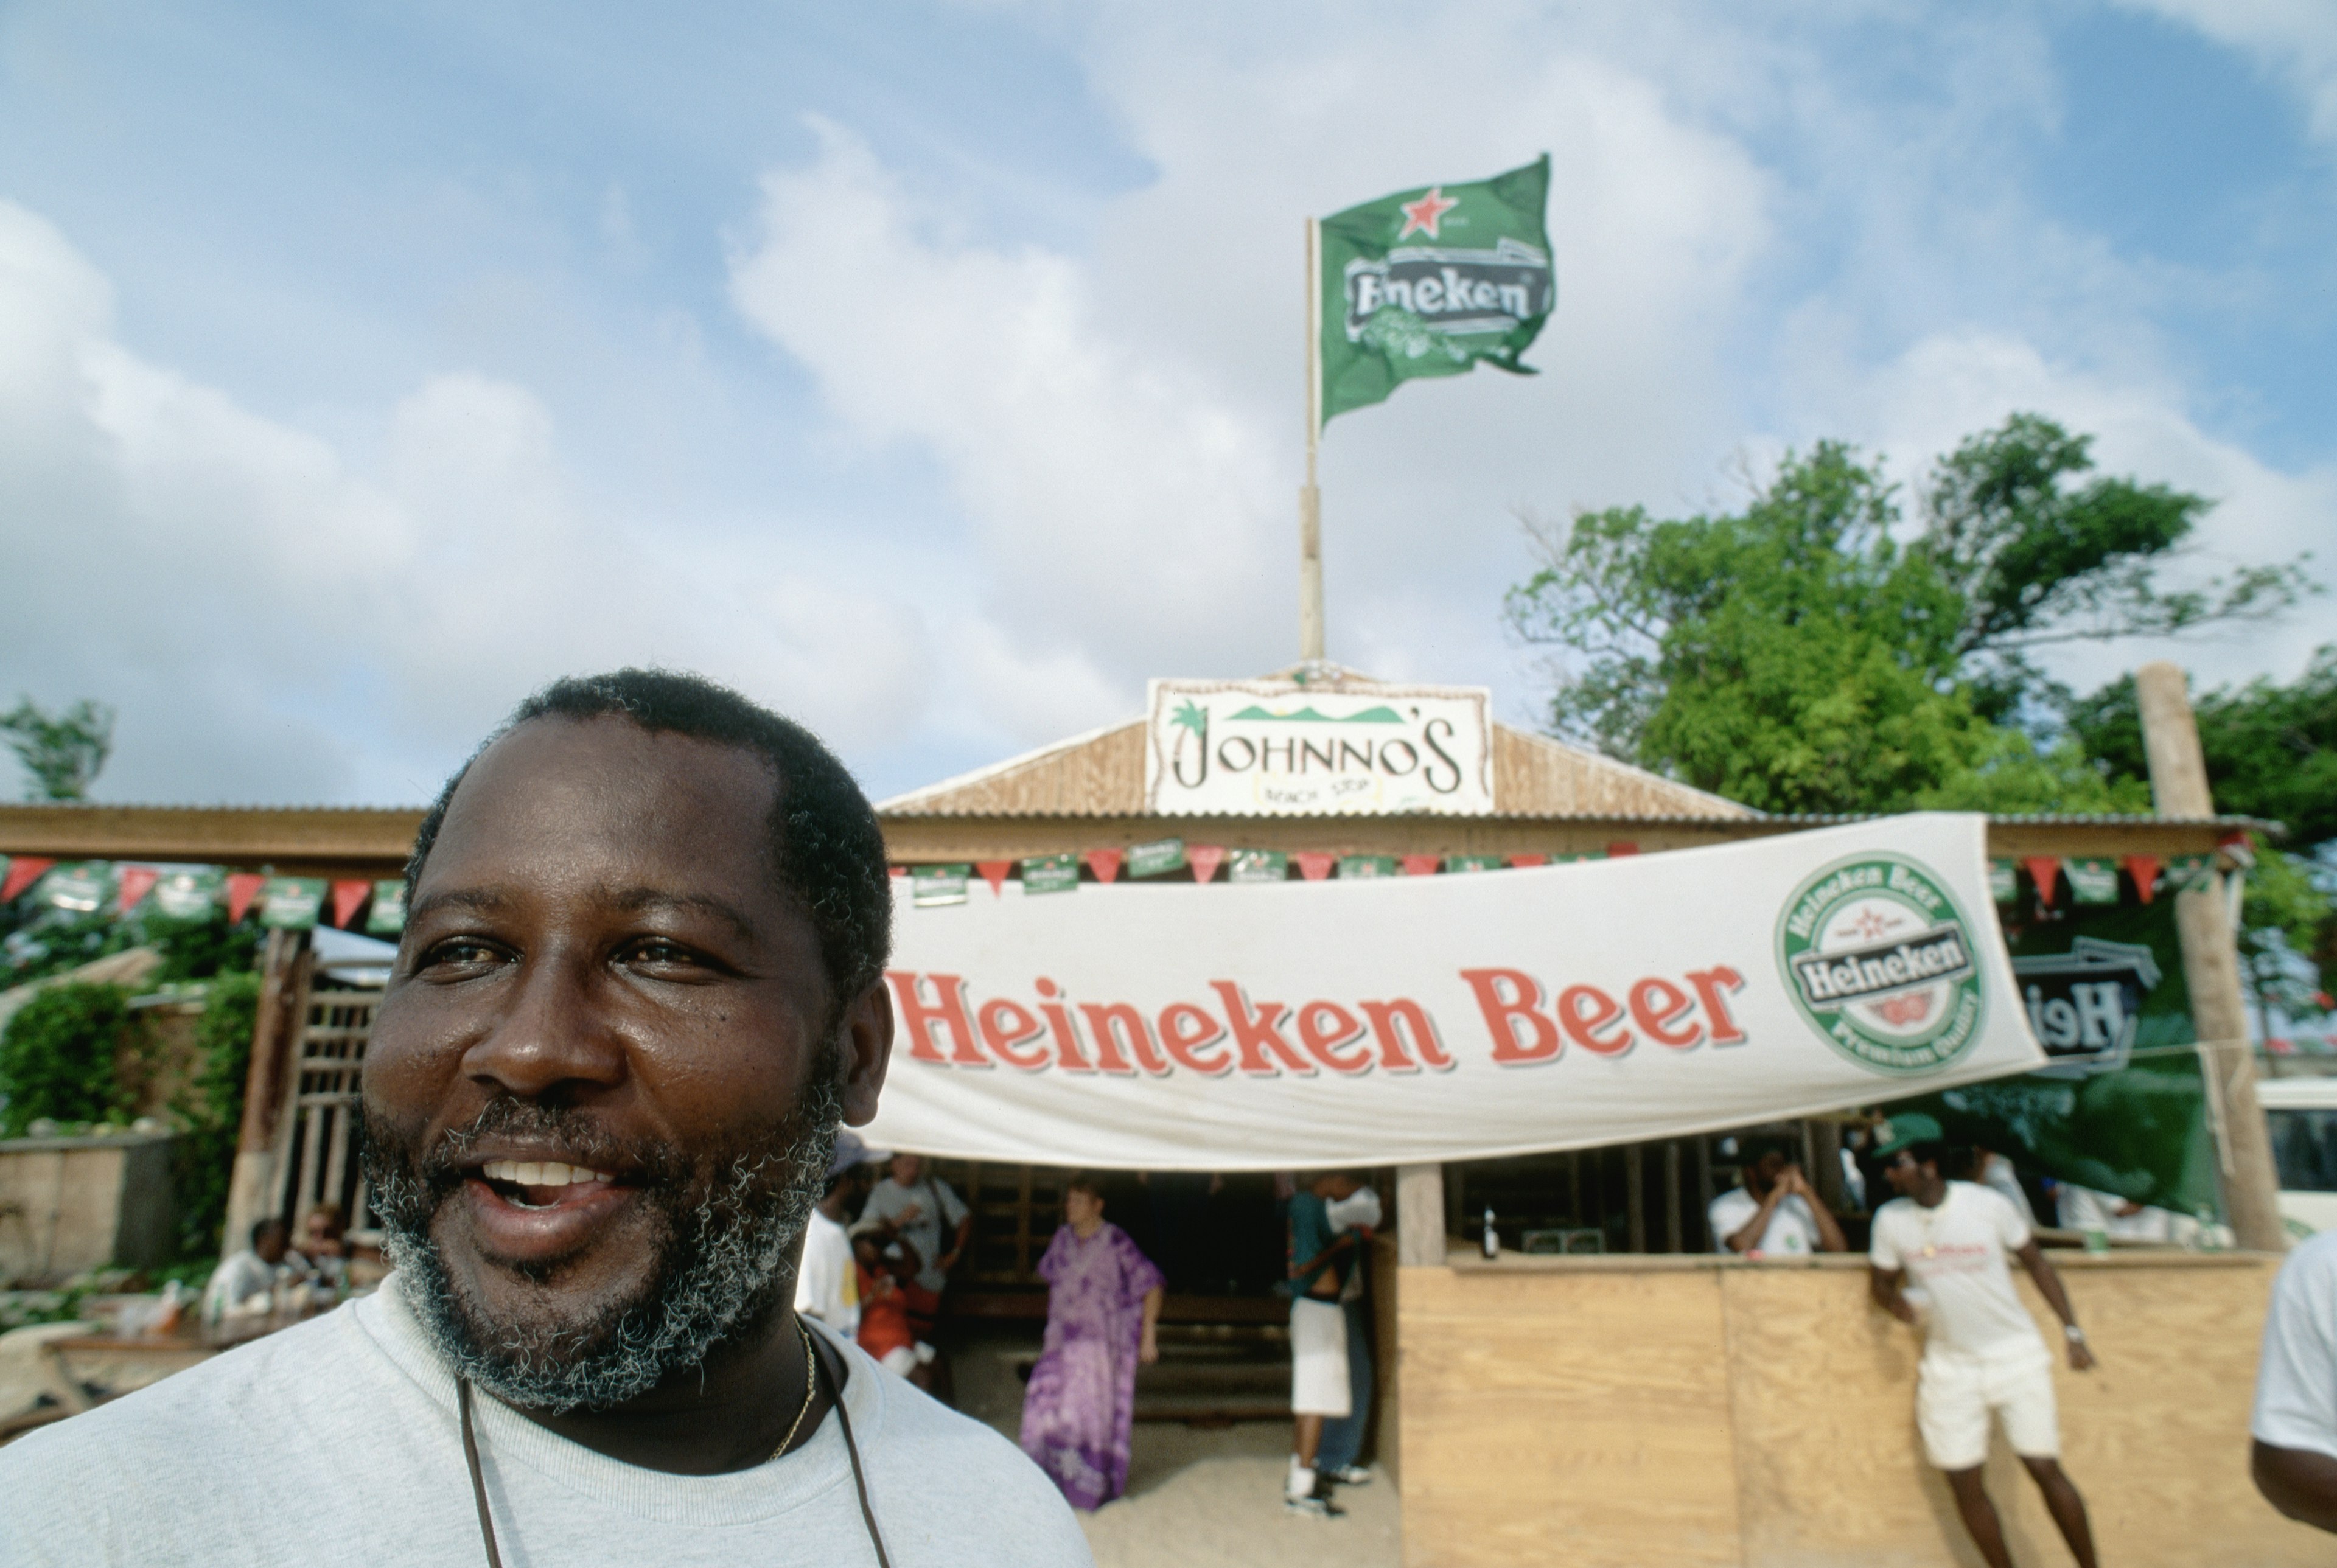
(640, 983)
(1948, 1241)
(1775, 1214)
(827, 1280)
(2294, 1453)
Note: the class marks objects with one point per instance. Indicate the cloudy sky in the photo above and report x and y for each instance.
(934, 372)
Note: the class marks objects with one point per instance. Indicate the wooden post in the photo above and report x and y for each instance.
(2211, 966)
(272, 1032)
(1672, 1237)
(1635, 1195)
(1310, 498)
(1419, 1216)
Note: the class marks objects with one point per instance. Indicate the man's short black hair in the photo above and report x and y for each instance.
(825, 846)
(267, 1222)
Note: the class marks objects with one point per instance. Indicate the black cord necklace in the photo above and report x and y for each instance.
(830, 1377)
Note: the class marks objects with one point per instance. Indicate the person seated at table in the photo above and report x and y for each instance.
(245, 1281)
(322, 1230)
(885, 1332)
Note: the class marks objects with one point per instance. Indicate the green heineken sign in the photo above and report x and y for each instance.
(1429, 282)
(1880, 960)
(1051, 873)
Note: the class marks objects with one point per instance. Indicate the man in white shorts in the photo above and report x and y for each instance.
(1982, 1353)
(2294, 1454)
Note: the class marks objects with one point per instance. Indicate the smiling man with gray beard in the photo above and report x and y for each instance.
(640, 985)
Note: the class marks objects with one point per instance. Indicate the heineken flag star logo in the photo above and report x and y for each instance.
(1423, 216)
(1430, 282)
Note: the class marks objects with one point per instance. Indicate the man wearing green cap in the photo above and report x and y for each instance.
(1982, 1353)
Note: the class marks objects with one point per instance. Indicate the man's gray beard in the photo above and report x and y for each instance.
(723, 1267)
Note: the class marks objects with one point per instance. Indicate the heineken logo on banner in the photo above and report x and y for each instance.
(1279, 749)
(1880, 960)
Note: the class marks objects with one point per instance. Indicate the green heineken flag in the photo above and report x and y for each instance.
(1429, 282)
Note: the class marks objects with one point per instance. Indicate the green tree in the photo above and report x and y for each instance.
(57, 1058)
(2270, 751)
(61, 753)
(211, 1113)
(1818, 652)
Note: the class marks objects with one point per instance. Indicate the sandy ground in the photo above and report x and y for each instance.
(1203, 1499)
(1197, 1498)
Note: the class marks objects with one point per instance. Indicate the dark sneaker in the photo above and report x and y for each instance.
(1316, 1506)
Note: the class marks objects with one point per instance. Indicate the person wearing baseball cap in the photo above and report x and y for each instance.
(1982, 1354)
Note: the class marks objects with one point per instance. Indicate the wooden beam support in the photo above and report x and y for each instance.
(2211, 967)
(1420, 1215)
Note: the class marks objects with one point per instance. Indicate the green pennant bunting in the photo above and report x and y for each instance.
(2092, 882)
(2003, 881)
(79, 888)
(1051, 873)
(1155, 860)
(1257, 866)
(930, 886)
(388, 916)
(190, 893)
(291, 903)
(1366, 866)
(1575, 856)
(1475, 862)
(1429, 282)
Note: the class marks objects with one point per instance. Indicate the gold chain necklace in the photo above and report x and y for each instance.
(811, 1384)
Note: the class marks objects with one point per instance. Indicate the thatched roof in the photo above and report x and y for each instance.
(1100, 774)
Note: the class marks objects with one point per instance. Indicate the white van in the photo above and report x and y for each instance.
(2301, 1115)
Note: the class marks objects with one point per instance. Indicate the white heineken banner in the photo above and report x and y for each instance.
(1380, 1022)
(1277, 748)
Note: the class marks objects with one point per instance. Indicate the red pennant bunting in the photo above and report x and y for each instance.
(899, 871)
(242, 887)
(1522, 862)
(1313, 864)
(995, 873)
(1205, 860)
(23, 870)
(1105, 864)
(2045, 871)
(1624, 848)
(137, 881)
(2144, 870)
(347, 899)
(1420, 865)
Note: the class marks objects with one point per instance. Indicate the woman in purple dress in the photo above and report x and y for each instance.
(1103, 1301)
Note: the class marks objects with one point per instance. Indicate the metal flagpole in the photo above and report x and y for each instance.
(1310, 498)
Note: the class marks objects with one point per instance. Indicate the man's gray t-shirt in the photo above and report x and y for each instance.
(339, 1440)
(890, 1201)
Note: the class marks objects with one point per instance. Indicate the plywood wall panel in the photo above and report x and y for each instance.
(1764, 1417)
(1520, 1445)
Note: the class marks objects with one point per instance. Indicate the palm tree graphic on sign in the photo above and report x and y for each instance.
(1190, 717)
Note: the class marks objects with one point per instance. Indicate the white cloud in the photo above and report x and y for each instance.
(2294, 40)
(1949, 384)
(274, 625)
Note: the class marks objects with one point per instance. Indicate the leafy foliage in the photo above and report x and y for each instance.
(2270, 751)
(57, 1057)
(211, 1113)
(1809, 653)
(61, 753)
